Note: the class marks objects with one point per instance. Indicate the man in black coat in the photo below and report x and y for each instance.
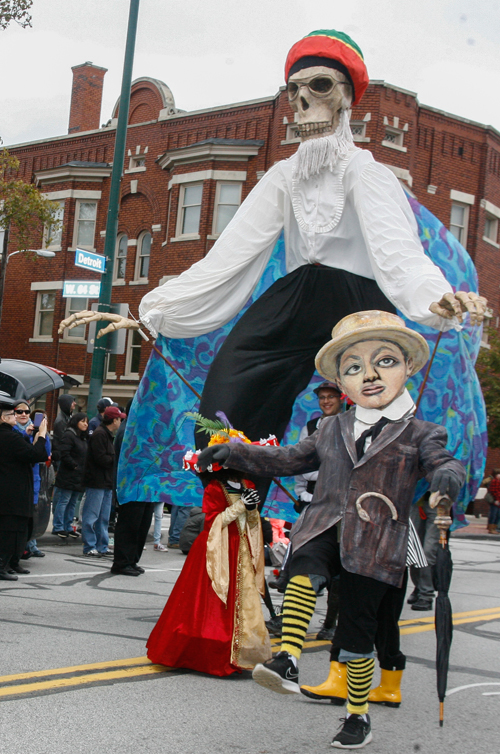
(17, 455)
(67, 405)
(98, 481)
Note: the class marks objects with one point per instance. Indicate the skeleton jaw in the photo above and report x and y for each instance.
(311, 130)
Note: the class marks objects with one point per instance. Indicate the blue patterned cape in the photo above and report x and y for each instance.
(158, 432)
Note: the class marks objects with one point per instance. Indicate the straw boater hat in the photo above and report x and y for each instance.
(372, 325)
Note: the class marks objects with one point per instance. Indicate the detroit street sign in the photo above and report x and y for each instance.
(89, 261)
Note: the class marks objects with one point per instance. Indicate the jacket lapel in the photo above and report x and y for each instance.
(347, 428)
(389, 434)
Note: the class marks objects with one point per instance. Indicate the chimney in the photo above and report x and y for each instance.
(86, 97)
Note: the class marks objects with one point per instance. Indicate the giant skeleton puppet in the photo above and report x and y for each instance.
(351, 244)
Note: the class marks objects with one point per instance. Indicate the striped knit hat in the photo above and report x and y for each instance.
(333, 49)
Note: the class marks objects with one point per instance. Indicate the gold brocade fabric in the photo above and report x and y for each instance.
(251, 642)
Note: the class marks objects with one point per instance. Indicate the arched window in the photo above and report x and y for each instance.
(120, 258)
(143, 256)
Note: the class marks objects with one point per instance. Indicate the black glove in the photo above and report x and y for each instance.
(250, 498)
(446, 482)
(219, 453)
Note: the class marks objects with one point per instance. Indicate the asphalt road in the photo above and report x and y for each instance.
(74, 677)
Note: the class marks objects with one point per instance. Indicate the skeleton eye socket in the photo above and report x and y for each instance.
(322, 85)
(292, 90)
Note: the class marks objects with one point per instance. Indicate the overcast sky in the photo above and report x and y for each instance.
(223, 51)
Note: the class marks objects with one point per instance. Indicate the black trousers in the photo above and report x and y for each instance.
(13, 538)
(369, 610)
(268, 357)
(132, 526)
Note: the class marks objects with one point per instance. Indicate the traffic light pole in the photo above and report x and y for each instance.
(100, 346)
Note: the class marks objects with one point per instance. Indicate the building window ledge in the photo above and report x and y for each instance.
(391, 145)
(77, 341)
(139, 282)
(84, 248)
(119, 282)
(185, 238)
(134, 377)
(492, 243)
(40, 340)
(140, 169)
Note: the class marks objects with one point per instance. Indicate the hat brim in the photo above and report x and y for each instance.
(412, 342)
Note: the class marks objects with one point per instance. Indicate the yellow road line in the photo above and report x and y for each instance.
(430, 626)
(485, 611)
(59, 683)
(75, 669)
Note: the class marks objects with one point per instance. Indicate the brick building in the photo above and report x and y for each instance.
(184, 176)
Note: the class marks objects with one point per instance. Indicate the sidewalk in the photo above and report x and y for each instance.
(475, 530)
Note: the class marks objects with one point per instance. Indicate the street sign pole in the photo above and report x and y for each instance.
(99, 355)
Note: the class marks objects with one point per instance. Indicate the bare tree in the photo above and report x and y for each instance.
(15, 10)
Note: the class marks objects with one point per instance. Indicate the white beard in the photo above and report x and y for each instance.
(314, 155)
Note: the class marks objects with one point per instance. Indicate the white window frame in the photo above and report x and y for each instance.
(492, 238)
(292, 134)
(36, 327)
(180, 212)
(465, 226)
(67, 335)
(394, 143)
(139, 257)
(46, 230)
(116, 279)
(359, 126)
(110, 375)
(137, 164)
(128, 356)
(218, 202)
(75, 231)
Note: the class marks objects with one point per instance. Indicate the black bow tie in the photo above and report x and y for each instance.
(372, 432)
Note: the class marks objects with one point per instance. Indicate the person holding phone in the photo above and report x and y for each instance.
(28, 424)
(17, 455)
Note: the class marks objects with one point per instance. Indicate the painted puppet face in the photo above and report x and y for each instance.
(373, 373)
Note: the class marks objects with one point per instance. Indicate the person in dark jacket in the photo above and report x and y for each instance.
(96, 420)
(193, 526)
(98, 481)
(69, 478)
(17, 455)
(67, 405)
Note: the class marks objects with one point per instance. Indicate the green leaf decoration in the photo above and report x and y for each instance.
(210, 426)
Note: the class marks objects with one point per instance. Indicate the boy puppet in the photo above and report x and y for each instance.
(369, 460)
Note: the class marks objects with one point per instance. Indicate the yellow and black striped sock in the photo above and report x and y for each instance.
(359, 681)
(298, 608)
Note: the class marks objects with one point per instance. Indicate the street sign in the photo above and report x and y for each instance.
(81, 289)
(89, 261)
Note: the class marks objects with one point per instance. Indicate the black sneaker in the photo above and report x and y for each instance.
(279, 674)
(275, 625)
(325, 634)
(138, 568)
(73, 534)
(355, 733)
(422, 604)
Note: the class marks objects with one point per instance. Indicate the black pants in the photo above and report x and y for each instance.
(369, 610)
(132, 526)
(13, 538)
(268, 357)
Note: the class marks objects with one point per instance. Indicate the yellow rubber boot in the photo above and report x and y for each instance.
(334, 689)
(389, 691)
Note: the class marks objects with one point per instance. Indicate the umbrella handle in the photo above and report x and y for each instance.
(443, 522)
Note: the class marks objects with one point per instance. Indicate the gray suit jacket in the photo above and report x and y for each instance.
(402, 453)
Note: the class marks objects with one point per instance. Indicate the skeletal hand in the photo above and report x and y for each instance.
(117, 322)
(455, 305)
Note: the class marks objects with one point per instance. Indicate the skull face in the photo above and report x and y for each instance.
(317, 95)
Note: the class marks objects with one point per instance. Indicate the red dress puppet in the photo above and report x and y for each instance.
(213, 619)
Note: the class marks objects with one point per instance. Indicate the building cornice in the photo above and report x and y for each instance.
(211, 149)
(94, 172)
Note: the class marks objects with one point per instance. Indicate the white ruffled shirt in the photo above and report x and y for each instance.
(355, 218)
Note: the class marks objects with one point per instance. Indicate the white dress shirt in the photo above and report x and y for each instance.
(355, 218)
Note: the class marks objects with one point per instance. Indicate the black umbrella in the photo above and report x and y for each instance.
(25, 380)
(442, 573)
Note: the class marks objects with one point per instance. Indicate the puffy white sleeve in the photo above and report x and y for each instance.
(212, 291)
(409, 279)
